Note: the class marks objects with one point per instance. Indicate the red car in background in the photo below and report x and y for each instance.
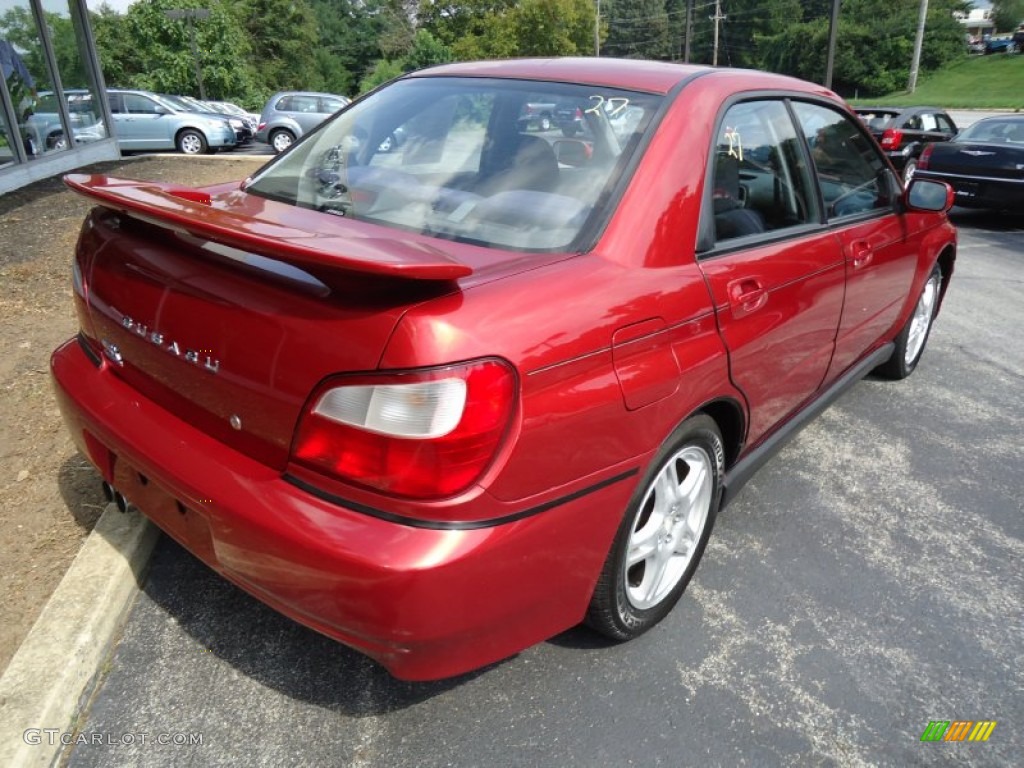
(443, 402)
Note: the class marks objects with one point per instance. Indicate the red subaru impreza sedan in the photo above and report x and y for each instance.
(441, 384)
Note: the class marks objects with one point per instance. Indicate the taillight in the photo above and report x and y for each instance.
(892, 138)
(579, 114)
(261, 126)
(925, 158)
(421, 434)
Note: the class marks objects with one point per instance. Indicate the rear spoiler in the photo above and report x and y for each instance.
(191, 210)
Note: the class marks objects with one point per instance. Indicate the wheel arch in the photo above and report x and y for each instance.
(945, 261)
(194, 129)
(728, 415)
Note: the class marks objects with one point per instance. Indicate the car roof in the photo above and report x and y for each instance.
(631, 74)
(895, 110)
(309, 93)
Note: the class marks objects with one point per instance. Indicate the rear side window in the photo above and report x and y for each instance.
(761, 182)
(330, 105)
(851, 173)
(297, 103)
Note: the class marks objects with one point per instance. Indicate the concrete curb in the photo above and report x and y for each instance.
(51, 675)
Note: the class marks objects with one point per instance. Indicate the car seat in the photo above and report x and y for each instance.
(524, 162)
(731, 218)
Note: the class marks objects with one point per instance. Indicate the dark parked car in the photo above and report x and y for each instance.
(904, 133)
(446, 401)
(984, 164)
(1001, 44)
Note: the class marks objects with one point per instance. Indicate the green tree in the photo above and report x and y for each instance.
(638, 29)
(283, 38)
(383, 70)
(18, 27)
(1008, 14)
(159, 57)
(874, 45)
(451, 21)
(554, 27)
(426, 52)
(114, 47)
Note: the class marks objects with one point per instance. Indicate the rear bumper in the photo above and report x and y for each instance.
(980, 191)
(424, 603)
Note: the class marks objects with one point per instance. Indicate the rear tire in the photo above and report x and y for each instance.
(909, 170)
(281, 139)
(912, 339)
(663, 533)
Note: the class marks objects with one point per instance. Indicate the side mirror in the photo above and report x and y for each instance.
(572, 152)
(928, 195)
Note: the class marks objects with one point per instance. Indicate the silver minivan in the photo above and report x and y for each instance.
(291, 114)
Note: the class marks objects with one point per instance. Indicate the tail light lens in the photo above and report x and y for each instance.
(579, 114)
(925, 158)
(261, 126)
(419, 434)
(892, 138)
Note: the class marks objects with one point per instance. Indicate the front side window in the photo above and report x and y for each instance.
(140, 105)
(450, 158)
(850, 170)
(761, 181)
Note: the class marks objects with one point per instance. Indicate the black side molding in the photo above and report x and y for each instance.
(454, 525)
(745, 468)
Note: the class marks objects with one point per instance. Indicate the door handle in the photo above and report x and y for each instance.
(747, 295)
(861, 254)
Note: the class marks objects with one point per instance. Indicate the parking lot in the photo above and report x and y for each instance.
(865, 583)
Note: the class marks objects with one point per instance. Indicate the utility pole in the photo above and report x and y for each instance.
(833, 31)
(718, 17)
(597, 30)
(918, 41)
(189, 14)
(689, 30)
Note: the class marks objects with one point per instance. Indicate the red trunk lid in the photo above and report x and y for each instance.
(227, 339)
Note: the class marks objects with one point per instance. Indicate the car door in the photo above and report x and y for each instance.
(776, 274)
(934, 126)
(306, 112)
(126, 137)
(860, 196)
(145, 125)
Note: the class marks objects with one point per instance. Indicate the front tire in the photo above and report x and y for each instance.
(191, 142)
(663, 534)
(912, 339)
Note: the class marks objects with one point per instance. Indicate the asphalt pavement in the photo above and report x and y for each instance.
(866, 582)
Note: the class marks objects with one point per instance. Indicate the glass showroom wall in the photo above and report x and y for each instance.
(52, 118)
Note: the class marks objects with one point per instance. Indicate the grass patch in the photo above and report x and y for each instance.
(977, 82)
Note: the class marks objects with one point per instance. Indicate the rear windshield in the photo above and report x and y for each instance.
(995, 131)
(876, 120)
(513, 164)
